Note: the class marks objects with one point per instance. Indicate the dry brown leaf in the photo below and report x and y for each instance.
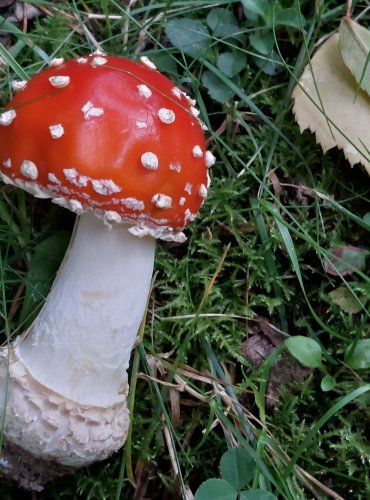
(345, 121)
(175, 408)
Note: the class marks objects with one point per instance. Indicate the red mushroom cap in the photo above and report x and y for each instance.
(107, 134)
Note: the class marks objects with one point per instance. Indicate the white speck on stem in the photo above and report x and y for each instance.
(56, 131)
(7, 117)
(144, 91)
(166, 115)
(59, 81)
(149, 160)
(162, 201)
(29, 169)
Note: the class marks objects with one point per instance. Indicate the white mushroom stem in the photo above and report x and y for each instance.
(80, 344)
(68, 380)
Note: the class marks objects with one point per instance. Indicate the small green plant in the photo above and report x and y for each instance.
(266, 16)
(237, 470)
(310, 353)
(228, 57)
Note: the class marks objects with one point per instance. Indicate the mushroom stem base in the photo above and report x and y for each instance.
(30, 472)
(61, 432)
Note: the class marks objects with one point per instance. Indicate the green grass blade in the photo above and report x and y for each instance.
(322, 421)
(9, 59)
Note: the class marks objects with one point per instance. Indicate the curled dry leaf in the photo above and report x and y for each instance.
(346, 259)
(328, 102)
(285, 371)
(143, 472)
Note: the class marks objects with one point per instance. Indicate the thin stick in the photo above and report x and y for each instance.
(349, 8)
(127, 23)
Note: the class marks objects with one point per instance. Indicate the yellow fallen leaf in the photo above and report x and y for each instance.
(354, 45)
(341, 115)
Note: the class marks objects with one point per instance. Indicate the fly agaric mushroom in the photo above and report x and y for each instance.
(118, 144)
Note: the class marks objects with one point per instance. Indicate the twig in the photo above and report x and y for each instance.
(127, 23)
(349, 8)
(170, 447)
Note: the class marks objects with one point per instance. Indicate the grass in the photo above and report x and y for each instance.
(253, 263)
